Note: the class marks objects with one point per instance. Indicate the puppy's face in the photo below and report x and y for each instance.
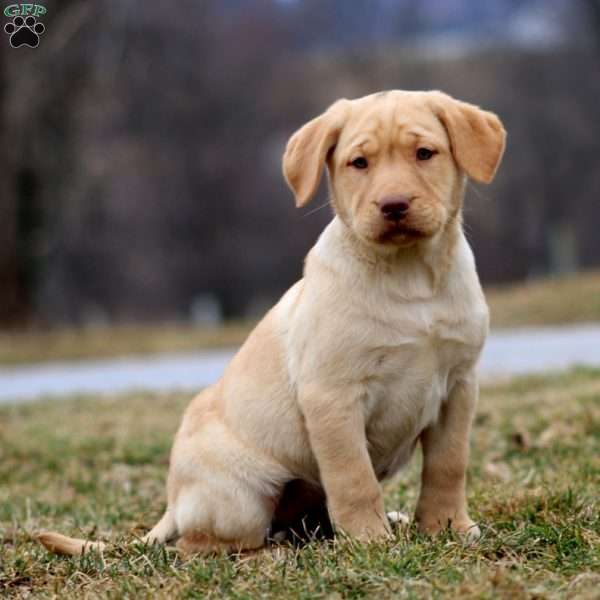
(396, 161)
(393, 176)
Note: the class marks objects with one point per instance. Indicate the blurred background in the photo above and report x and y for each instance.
(145, 225)
(142, 141)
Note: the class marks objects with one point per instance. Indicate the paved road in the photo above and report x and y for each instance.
(506, 353)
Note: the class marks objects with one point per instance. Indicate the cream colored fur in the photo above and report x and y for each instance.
(373, 351)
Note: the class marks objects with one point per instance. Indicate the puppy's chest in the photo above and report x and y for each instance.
(406, 376)
(409, 369)
(419, 341)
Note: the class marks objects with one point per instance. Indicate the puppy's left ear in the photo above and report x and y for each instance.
(306, 152)
(477, 136)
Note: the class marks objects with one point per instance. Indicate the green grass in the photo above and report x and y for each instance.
(543, 302)
(96, 467)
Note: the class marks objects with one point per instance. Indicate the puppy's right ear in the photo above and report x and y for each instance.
(306, 152)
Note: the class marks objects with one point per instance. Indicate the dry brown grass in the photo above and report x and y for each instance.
(103, 342)
(558, 301)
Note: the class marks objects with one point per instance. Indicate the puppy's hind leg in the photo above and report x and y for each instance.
(234, 518)
(224, 490)
(163, 531)
(227, 508)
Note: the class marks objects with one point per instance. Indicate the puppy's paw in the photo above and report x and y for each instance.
(395, 517)
(467, 529)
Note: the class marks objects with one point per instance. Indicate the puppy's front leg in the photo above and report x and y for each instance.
(336, 429)
(445, 455)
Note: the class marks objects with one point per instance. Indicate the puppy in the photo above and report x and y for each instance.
(372, 351)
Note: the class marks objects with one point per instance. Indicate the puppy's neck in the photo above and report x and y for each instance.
(420, 269)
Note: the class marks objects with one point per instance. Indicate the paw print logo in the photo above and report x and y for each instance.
(24, 32)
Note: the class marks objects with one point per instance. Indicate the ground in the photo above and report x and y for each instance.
(31, 346)
(553, 301)
(540, 302)
(95, 467)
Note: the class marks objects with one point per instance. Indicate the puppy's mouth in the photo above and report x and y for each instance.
(400, 233)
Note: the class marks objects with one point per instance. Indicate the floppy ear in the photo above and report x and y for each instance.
(477, 136)
(306, 152)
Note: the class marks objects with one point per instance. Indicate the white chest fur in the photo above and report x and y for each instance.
(389, 334)
(408, 370)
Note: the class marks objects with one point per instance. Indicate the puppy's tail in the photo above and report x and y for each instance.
(61, 544)
(57, 543)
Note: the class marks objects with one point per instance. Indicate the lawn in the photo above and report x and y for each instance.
(19, 347)
(553, 301)
(96, 467)
(541, 302)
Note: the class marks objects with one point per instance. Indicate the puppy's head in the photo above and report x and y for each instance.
(396, 161)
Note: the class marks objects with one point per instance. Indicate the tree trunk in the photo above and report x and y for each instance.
(13, 307)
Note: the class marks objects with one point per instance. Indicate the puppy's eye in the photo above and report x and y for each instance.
(360, 163)
(424, 153)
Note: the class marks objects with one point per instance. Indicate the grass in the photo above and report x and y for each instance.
(543, 302)
(96, 467)
(101, 342)
(554, 301)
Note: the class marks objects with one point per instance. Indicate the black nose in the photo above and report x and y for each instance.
(394, 209)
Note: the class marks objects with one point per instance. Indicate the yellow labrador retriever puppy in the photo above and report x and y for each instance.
(372, 351)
